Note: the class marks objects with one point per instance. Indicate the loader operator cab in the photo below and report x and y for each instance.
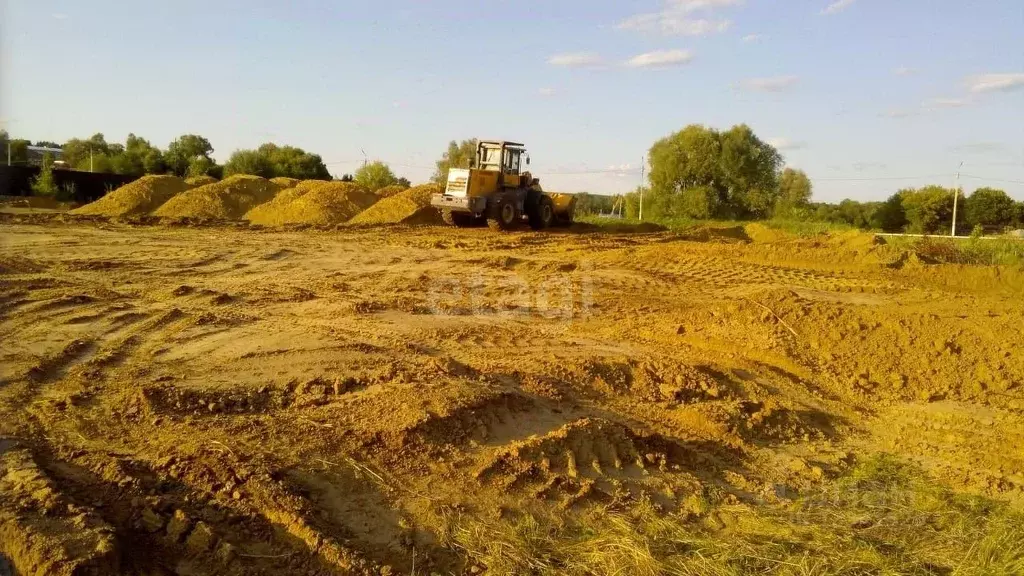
(505, 157)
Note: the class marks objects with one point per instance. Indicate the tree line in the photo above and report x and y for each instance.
(187, 156)
(700, 173)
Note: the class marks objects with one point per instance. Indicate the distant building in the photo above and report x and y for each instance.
(36, 154)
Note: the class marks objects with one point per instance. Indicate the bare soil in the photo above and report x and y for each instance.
(224, 400)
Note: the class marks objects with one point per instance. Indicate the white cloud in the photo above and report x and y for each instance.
(784, 144)
(753, 38)
(995, 82)
(620, 171)
(660, 59)
(837, 6)
(903, 71)
(946, 103)
(546, 91)
(899, 113)
(575, 60)
(675, 18)
(772, 84)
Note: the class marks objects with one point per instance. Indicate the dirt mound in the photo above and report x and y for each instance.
(285, 182)
(228, 199)
(197, 181)
(410, 206)
(389, 191)
(323, 205)
(136, 198)
(762, 234)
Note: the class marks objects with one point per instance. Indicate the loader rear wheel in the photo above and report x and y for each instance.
(503, 215)
(542, 215)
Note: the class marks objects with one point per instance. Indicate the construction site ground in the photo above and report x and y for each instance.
(231, 400)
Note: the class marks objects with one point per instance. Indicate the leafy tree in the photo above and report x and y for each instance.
(929, 210)
(750, 170)
(404, 182)
(200, 166)
(292, 162)
(47, 144)
(698, 203)
(18, 148)
(890, 215)
(187, 150)
(375, 175)
(248, 162)
(794, 192)
(44, 184)
(346, 178)
(136, 157)
(989, 207)
(77, 153)
(458, 155)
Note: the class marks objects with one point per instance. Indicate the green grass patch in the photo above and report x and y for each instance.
(886, 517)
(977, 251)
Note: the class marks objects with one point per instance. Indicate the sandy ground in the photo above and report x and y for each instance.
(223, 400)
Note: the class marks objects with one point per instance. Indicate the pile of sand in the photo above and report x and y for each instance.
(136, 198)
(228, 199)
(410, 206)
(284, 182)
(389, 191)
(326, 204)
(197, 181)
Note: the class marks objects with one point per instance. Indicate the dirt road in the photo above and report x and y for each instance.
(227, 400)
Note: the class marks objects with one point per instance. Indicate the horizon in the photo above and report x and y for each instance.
(866, 98)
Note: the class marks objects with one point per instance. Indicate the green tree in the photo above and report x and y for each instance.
(929, 210)
(989, 207)
(82, 154)
(292, 162)
(187, 150)
(890, 215)
(44, 184)
(794, 192)
(375, 175)
(458, 155)
(136, 157)
(47, 144)
(750, 170)
(248, 162)
(200, 166)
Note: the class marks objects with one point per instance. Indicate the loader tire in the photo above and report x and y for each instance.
(458, 219)
(542, 214)
(503, 215)
(448, 217)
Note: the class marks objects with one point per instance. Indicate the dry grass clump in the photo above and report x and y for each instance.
(136, 198)
(411, 206)
(285, 182)
(885, 518)
(228, 199)
(197, 181)
(326, 204)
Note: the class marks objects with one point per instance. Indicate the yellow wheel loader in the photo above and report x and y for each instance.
(497, 190)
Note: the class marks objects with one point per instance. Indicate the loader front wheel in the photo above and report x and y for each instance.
(503, 215)
(543, 214)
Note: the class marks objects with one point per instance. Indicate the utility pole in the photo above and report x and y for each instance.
(643, 164)
(90, 159)
(364, 157)
(956, 196)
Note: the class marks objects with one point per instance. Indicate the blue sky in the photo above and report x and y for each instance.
(867, 96)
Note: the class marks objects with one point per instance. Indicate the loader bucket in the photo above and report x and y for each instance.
(564, 205)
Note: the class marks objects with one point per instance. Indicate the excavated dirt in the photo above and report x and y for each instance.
(410, 206)
(228, 199)
(224, 400)
(284, 182)
(137, 198)
(326, 204)
(197, 181)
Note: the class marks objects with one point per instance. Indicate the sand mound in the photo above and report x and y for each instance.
(411, 206)
(284, 182)
(762, 234)
(389, 191)
(228, 199)
(323, 205)
(197, 181)
(136, 198)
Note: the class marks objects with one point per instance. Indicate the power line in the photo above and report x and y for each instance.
(991, 179)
